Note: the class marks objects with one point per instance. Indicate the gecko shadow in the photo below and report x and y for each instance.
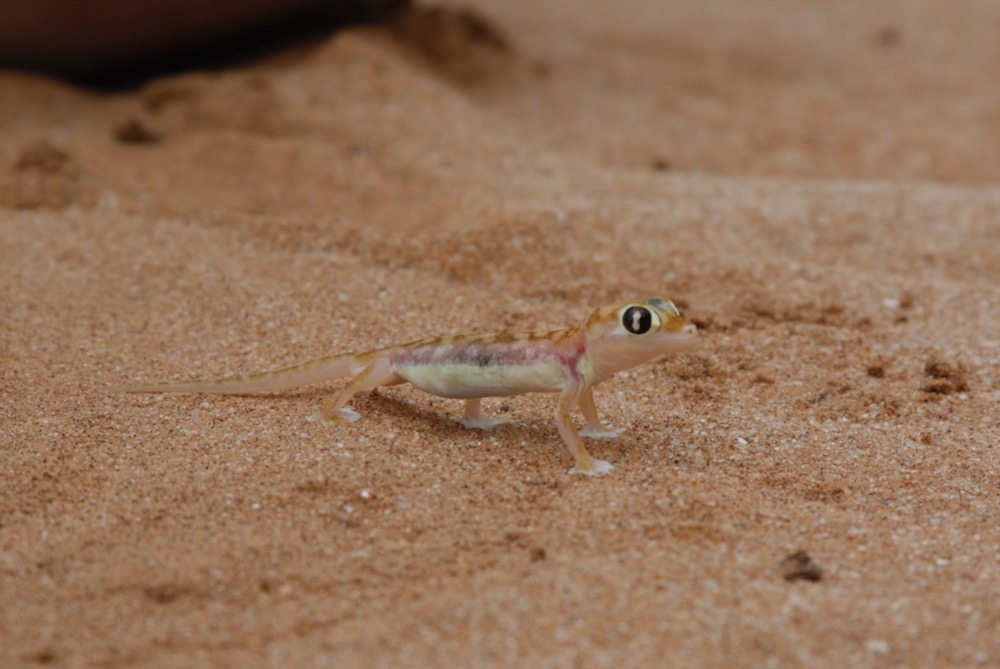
(441, 420)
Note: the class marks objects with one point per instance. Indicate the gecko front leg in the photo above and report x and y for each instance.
(593, 427)
(475, 418)
(585, 464)
(379, 372)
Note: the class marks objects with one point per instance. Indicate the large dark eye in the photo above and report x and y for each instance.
(637, 320)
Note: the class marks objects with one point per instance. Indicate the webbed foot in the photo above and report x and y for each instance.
(599, 431)
(480, 422)
(597, 468)
(340, 416)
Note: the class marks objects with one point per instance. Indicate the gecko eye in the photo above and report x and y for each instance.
(637, 320)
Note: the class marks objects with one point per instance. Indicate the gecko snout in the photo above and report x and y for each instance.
(686, 337)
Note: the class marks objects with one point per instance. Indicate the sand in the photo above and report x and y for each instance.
(814, 185)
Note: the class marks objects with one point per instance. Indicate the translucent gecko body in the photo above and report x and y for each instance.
(569, 362)
(486, 365)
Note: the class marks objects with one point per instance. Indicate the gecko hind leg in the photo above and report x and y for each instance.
(475, 418)
(593, 427)
(334, 410)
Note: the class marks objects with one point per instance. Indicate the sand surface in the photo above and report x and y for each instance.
(814, 184)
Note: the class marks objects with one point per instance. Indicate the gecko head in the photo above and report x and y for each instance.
(623, 335)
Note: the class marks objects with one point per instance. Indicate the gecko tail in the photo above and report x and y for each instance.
(314, 371)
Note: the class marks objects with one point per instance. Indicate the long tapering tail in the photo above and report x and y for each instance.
(313, 371)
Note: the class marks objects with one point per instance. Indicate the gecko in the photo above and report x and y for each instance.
(569, 362)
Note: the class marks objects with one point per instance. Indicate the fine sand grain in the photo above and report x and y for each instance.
(815, 184)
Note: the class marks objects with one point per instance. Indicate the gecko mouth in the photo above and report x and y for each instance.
(684, 339)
